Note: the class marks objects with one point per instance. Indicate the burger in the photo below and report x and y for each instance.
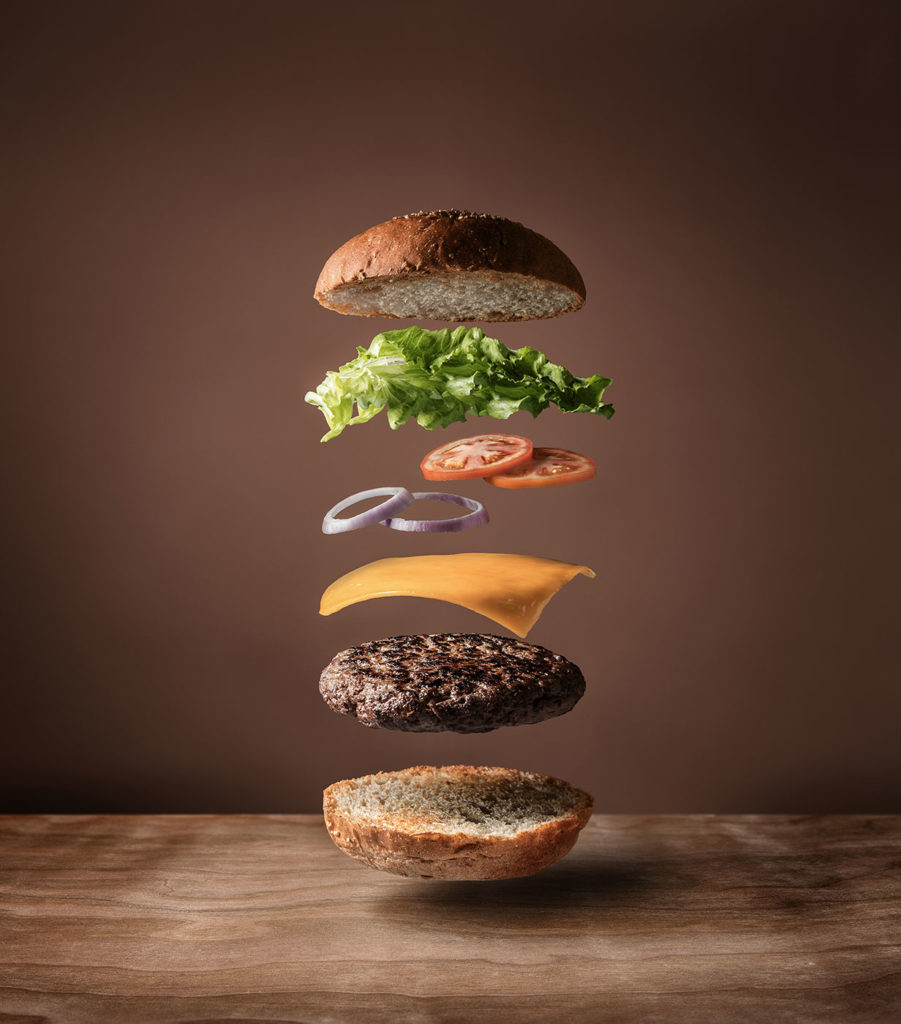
(458, 821)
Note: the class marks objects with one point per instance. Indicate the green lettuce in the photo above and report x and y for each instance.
(441, 377)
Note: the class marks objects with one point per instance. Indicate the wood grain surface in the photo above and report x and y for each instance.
(261, 918)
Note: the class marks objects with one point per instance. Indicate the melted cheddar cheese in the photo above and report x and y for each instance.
(510, 589)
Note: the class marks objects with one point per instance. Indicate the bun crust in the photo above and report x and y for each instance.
(457, 822)
(450, 265)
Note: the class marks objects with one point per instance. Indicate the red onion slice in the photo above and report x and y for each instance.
(477, 517)
(399, 498)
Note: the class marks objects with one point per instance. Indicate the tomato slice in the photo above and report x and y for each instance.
(548, 467)
(476, 456)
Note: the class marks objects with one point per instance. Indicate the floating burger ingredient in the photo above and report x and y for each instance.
(398, 499)
(442, 377)
(477, 516)
(546, 467)
(506, 460)
(450, 265)
(511, 590)
(458, 682)
(458, 822)
(473, 457)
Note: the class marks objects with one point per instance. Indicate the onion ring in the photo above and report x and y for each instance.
(477, 516)
(399, 498)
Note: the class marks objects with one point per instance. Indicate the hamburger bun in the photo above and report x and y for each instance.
(456, 822)
(450, 265)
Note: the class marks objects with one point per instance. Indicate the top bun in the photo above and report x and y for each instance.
(450, 265)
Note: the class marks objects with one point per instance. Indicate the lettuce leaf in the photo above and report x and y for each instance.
(441, 377)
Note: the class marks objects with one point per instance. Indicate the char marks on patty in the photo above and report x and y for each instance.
(460, 682)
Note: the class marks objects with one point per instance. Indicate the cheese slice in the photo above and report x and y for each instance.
(510, 589)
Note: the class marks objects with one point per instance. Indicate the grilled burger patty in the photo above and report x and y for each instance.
(462, 682)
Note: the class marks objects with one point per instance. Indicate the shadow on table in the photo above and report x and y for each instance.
(586, 885)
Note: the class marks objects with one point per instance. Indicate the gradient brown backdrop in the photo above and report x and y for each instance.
(724, 174)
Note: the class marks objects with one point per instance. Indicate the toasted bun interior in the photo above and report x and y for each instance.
(450, 265)
(456, 822)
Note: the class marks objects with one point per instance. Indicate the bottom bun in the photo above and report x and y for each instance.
(457, 822)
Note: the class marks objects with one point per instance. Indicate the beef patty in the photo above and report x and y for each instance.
(462, 682)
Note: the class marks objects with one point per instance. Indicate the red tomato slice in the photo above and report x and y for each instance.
(548, 467)
(476, 456)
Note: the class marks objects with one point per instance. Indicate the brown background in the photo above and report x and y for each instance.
(724, 175)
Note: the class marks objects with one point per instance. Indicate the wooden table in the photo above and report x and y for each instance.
(259, 918)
